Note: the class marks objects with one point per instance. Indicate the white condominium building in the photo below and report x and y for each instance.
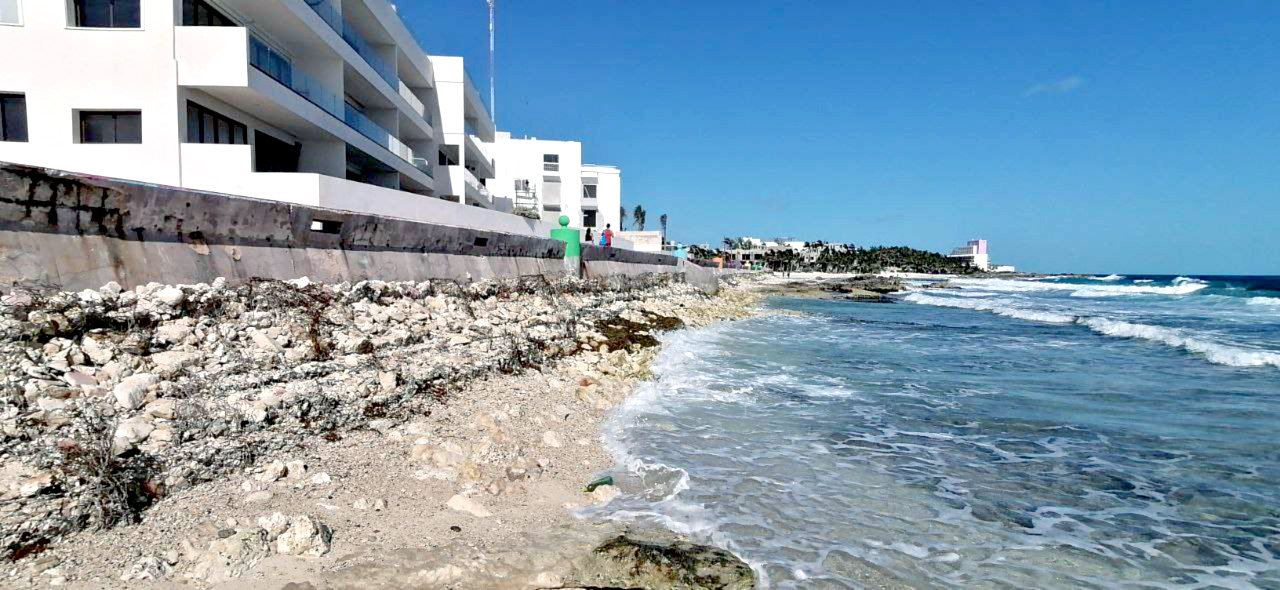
(318, 102)
(549, 178)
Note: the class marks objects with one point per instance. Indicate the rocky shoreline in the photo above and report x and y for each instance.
(297, 435)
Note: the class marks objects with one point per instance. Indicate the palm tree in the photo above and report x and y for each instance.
(622, 218)
(638, 216)
(662, 220)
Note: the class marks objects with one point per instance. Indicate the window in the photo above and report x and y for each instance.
(206, 126)
(551, 162)
(108, 14)
(589, 191)
(10, 12)
(522, 184)
(449, 155)
(110, 127)
(589, 218)
(13, 116)
(198, 13)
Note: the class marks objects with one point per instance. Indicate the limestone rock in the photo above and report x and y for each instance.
(306, 536)
(170, 296)
(131, 390)
(467, 505)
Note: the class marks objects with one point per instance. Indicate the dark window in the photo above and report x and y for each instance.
(110, 127)
(13, 115)
(206, 126)
(553, 158)
(108, 14)
(449, 155)
(551, 162)
(272, 155)
(589, 218)
(198, 13)
(589, 191)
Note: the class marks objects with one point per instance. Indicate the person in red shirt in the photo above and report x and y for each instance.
(606, 237)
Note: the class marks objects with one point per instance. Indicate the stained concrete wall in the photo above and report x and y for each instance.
(75, 232)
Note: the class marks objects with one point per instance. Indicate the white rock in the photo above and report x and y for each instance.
(162, 408)
(131, 390)
(464, 504)
(258, 497)
(273, 471)
(604, 494)
(171, 296)
(99, 352)
(147, 568)
(295, 469)
(275, 525)
(321, 479)
(264, 342)
(551, 439)
(306, 536)
(133, 431)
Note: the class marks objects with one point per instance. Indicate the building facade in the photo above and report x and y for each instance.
(547, 178)
(321, 102)
(975, 253)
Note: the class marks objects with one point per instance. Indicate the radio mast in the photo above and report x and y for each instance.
(493, 107)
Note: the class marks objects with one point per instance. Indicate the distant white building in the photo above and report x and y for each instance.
(548, 178)
(975, 253)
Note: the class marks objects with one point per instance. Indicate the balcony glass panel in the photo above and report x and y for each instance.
(280, 69)
(343, 27)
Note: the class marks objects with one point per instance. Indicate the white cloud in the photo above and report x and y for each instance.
(1062, 86)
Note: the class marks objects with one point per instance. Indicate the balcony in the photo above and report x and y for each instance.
(277, 67)
(476, 191)
(344, 29)
(415, 103)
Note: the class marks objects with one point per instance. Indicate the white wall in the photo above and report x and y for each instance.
(62, 69)
(523, 159)
(608, 195)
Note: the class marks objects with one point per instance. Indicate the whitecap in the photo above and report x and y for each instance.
(1185, 287)
(1109, 278)
(1216, 353)
(1269, 301)
(997, 306)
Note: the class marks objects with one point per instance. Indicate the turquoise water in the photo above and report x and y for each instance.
(1106, 433)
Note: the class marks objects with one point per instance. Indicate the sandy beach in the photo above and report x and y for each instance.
(467, 485)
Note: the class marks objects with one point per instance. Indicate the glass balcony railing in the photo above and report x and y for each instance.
(280, 69)
(424, 165)
(329, 14)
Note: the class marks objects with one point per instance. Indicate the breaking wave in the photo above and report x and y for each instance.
(996, 306)
(1214, 352)
(1269, 301)
(1180, 286)
(1110, 278)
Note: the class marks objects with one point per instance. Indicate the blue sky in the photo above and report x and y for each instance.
(1075, 136)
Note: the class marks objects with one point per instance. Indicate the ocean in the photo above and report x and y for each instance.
(1114, 432)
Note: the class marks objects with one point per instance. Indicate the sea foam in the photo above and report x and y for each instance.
(1214, 352)
(1183, 287)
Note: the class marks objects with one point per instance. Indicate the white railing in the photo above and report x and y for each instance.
(414, 102)
(475, 184)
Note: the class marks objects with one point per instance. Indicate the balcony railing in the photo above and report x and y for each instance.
(280, 69)
(488, 108)
(550, 167)
(414, 102)
(424, 165)
(344, 29)
(479, 187)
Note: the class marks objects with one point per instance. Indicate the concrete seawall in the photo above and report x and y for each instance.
(75, 232)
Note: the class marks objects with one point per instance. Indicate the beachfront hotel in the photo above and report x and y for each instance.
(318, 102)
(549, 179)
